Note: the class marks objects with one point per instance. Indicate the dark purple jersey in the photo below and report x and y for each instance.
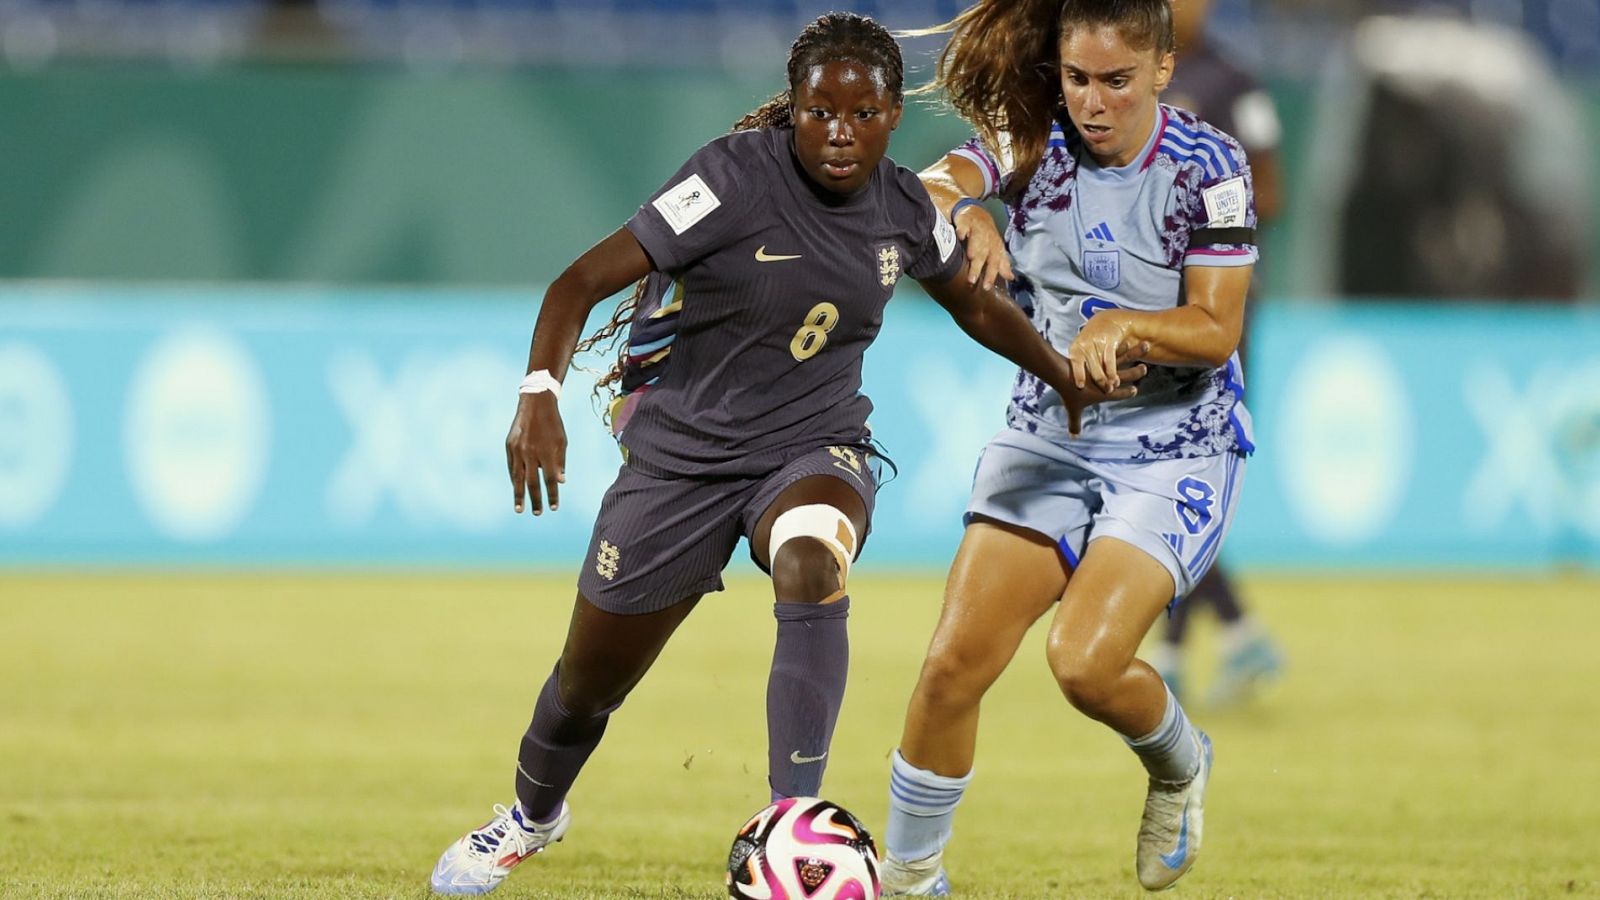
(746, 348)
(1226, 96)
(1213, 88)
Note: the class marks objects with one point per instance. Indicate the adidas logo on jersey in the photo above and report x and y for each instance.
(1100, 233)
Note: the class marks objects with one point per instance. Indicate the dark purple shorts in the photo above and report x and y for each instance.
(659, 541)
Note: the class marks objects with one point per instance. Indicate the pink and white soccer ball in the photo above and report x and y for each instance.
(803, 848)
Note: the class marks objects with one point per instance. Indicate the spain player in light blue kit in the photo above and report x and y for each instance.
(1129, 223)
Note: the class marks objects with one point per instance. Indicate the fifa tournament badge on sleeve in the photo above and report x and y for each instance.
(686, 203)
(944, 235)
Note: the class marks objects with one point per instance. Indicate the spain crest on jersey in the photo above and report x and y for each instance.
(1103, 268)
(888, 256)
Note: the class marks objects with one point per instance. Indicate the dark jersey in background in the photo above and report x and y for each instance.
(1226, 96)
(746, 349)
(1230, 98)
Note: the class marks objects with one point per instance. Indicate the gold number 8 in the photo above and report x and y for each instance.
(813, 335)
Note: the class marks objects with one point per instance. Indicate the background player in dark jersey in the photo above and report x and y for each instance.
(766, 263)
(1213, 88)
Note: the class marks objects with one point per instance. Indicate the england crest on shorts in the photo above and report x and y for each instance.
(1103, 268)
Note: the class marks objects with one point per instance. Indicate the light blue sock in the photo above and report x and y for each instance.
(922, 810)
(1172, 752)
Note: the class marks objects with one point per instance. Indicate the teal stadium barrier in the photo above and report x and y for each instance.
(325, 427)
(367, 175)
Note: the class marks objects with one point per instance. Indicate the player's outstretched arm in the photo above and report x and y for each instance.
(991, 319)
(1204, 331)
(949, 181)
(536, 447)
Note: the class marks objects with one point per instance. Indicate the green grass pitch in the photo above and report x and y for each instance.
(327, 736)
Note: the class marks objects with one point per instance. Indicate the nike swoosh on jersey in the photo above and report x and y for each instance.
(763, 256)
(797, 759)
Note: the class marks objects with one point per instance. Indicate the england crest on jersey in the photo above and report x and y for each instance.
(887, 256)
(1103, 268)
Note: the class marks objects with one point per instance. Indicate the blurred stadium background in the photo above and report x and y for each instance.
(268, 626)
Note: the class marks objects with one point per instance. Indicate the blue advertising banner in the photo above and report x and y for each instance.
(1437, 435)
(315, 427)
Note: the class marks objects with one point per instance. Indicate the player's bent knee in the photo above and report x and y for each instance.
(1086, 695)
(804, 571)
(811, 548)
(1085, 681)
(1084, 686)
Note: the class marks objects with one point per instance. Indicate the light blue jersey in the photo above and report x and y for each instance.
(1084, 237)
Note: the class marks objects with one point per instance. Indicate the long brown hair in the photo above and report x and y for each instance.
(835, 37)
(998, 70)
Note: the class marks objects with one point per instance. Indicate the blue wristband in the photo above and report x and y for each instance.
(961, 204)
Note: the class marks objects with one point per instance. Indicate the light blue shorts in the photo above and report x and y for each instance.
(1176, 510)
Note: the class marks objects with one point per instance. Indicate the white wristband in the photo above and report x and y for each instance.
(539, 381)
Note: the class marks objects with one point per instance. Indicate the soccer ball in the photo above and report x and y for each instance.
(803, 848)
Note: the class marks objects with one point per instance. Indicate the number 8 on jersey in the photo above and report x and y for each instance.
(813, 335)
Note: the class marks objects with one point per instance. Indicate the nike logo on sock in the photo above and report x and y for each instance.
(797, 759)
(530, 777)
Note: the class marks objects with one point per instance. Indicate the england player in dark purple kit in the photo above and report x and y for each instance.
(765, 263)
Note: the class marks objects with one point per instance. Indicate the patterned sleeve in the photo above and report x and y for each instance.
(996, 167)
(699, 209)
(935, 251)
(1217, 204)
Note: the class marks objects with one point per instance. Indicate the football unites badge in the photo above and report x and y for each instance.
(888, 264)
(1103, 268)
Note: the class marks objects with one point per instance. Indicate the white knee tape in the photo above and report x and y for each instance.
(821, 522)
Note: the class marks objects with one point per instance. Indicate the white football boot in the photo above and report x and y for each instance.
(481, 859)
(918, 878)
(1169, 835)
(1245, 671)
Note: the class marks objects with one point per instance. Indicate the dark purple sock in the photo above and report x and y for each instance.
(554, 749)
(1178, 620)
(1227, 604)
(804, 692)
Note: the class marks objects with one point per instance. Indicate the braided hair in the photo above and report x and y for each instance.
(835, 37)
